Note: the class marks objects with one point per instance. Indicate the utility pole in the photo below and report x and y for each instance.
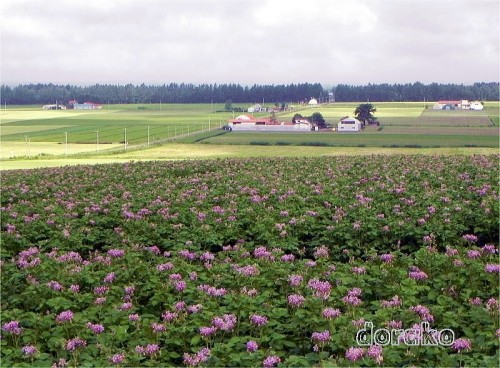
(97, 139)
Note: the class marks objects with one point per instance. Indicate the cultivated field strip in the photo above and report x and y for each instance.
(442, 121)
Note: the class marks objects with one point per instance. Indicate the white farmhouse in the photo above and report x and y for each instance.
(303, 124)
(349, 124)
(476, 105)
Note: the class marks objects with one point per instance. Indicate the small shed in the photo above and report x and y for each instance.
(54, 107)
(255, 108)
(349, 124)
(87, 106)
(303, 124)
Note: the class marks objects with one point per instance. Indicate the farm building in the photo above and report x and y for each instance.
(349, 124)
(84, 106)
(250, 123)
(448, 105)
(303, 124)
(458, 105)
(313, 102)
(476, 105)
(257, 108)
(54, 107)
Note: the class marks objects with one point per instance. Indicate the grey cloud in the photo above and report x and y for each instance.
(265, 41)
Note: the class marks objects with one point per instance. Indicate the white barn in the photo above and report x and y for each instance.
(476, 105)
(303, 124)
(349, 124)
(313, 102)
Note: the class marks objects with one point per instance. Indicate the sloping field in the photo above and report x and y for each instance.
(9, 116)
(31, 131)
(333, 112)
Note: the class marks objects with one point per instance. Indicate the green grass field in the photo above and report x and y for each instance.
(179, 151)
(29, 132)
(333, 112)
(364, 139)
(114, 123)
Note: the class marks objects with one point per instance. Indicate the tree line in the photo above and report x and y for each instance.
(417, 92)
(29, 94)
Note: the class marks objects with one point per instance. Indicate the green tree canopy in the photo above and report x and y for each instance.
(218, 93)
(296, 116)
(318, 119)
(364, 113)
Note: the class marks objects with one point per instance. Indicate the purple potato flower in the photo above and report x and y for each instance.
(330, 313)
(95, 328)
(12, 327)
(66, 316)
(354, 354)
(258, 320)
(320, 337)
(296, 300)
(29, 350)
(73, 344)
(461, 344)
(252, 346)
(271, 361)
(117, 359)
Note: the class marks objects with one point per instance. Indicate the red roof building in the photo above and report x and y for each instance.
(249, 122)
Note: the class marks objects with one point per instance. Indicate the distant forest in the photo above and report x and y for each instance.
(29, 94)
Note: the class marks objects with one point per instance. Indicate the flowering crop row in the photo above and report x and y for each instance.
(251, 262)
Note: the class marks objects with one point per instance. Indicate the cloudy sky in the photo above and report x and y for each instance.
(249, 41)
